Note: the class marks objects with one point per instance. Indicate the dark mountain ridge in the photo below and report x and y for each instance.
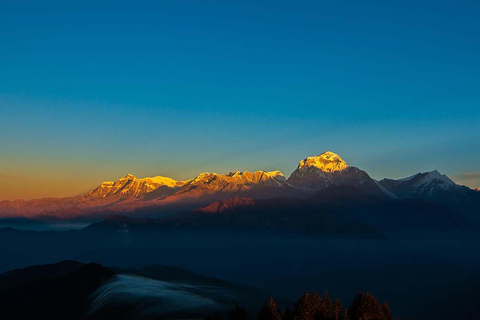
(338, 210)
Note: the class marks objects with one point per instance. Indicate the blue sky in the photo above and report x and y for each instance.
(90, 92)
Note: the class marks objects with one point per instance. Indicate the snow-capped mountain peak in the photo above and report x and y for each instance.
(426, 185)
(129, 176)
(428, 179)
(329, 169)
(326, 162)
(235, 180)
(322, 167)
(132, 187)
(277, 175)
(163, 181)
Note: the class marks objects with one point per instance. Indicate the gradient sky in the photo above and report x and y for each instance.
(90, 92)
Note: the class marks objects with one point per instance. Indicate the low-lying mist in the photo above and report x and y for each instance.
(153, 298)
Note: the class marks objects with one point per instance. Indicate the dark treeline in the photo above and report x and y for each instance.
(311, 306)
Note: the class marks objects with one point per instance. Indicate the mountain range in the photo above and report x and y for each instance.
(318, 176)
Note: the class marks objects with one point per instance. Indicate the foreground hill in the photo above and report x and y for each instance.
(51, 292)
(73, 290)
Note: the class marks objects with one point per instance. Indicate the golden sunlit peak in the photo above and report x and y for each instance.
(160, 180)
(203, 176)
(327, 162)
(274, 174)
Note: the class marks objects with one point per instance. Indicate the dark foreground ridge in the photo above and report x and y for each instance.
(59, 291)
(73, 290)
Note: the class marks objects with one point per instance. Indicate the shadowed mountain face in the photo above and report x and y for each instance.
(227, 205)
(392, 216)
(160, 196)
(340, 211)
(72, 290)
(265, 217)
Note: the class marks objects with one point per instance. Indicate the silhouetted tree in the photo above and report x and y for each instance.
(387, 315)
(269, 311)
(326, 308)
(339, 312)
(365, 307)
(310, 306)
(214, 316)
(237, 314)
(307, 306)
